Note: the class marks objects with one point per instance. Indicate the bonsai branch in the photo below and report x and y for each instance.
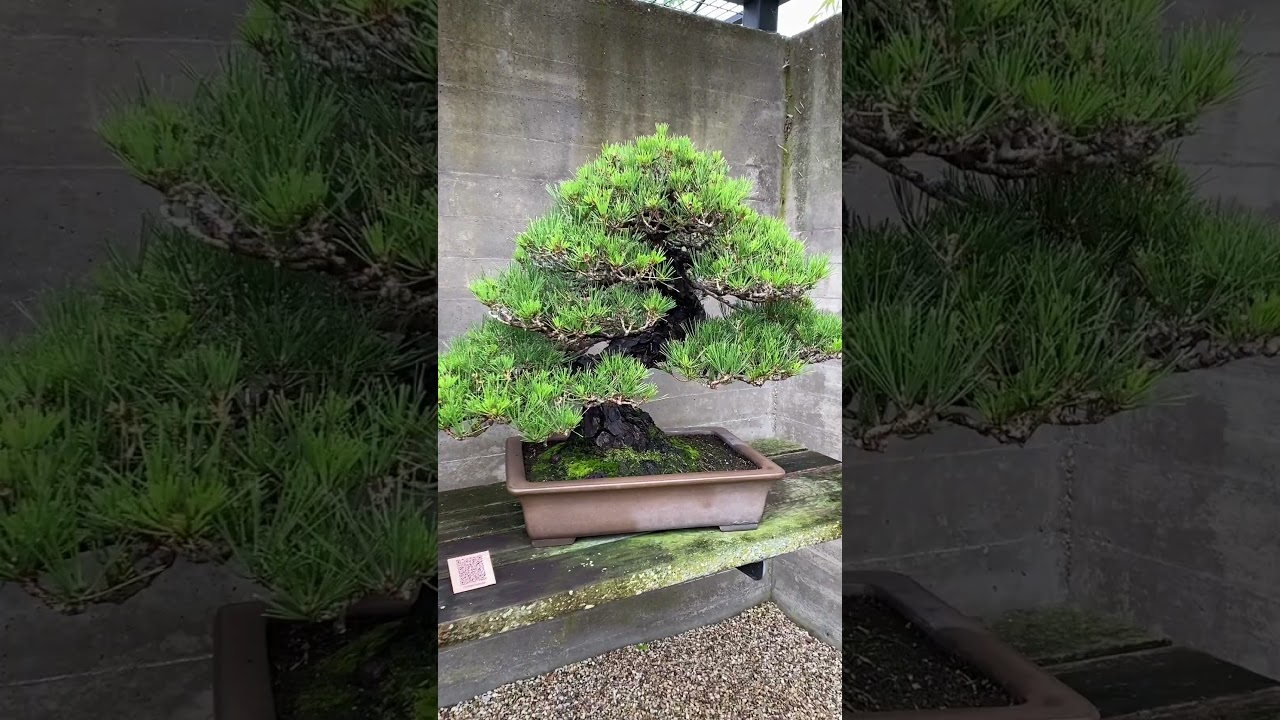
(201, 213)
(1019, 149)
(937, 188)
(911, 422)
(760, 294)
(571, 342)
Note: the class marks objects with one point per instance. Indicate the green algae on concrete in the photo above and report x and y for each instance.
(1054, 635)
(803, 510)
(773, 447)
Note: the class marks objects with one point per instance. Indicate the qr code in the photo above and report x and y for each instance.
(471, 571)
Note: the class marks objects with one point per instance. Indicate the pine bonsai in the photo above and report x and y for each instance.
(202, 403)
(611, 284)
(1062, 264)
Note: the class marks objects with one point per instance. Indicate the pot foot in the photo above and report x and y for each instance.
(738, 528)
(553, 542)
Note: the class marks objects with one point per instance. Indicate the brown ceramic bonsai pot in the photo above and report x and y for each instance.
(558, 513)
(1042, 696)
(242, 682)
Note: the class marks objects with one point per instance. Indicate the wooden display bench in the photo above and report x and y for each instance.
(1131, 674)
(536, 585)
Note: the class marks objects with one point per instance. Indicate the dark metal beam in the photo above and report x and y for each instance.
(760, 14)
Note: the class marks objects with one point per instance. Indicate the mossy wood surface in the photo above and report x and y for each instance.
(1055, 635)
(536, 584)
(1260, 705)
(1131, 674)
(339, 686)
(1158, 679)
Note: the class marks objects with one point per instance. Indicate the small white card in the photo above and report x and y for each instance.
(470, 572)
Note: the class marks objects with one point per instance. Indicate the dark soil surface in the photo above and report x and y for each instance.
(572, 460)
(370, 672)
(889, 664)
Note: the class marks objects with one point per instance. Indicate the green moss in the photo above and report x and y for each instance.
(575, 460)
(323, 701)
(784, 172)
(426, 705)
(334, 691)
(689, 449)
(772, 447)
(1053, 635)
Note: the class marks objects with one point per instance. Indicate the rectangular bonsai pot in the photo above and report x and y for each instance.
(1043, 696)
(242, 682)
(558, 513)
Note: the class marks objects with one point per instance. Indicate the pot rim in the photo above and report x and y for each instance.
(1044, 696)
(767, 470)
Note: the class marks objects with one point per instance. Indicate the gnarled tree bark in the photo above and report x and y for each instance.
(615, 427)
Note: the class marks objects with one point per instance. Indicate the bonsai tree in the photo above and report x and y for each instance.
(613, 282)
(199, 402)
(1062, 264)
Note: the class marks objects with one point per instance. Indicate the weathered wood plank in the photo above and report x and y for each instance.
(468, 501)
(803, 460)
(505, 539)
(1260, 705)
(512, 547)
(1144, 681)
(1055, 635)
(803, 509)
(456, 528)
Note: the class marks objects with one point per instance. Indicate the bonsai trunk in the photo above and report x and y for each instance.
(614, 427)
(648, 346)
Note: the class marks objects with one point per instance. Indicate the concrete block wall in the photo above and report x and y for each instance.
(529, 91)
(806, 409)
(63, 196)
(1175, 513)
(806, 587)
(1236, 150)
(978, 522)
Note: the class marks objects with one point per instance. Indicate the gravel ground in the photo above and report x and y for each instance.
(756, 666)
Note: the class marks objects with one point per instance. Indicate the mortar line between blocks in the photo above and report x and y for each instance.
(580, 64)
(1266, 595)
(946, 551)
(779, 416)
(89, 39)
(106, 671)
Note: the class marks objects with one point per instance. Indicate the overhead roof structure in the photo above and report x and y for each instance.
(755, 14)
